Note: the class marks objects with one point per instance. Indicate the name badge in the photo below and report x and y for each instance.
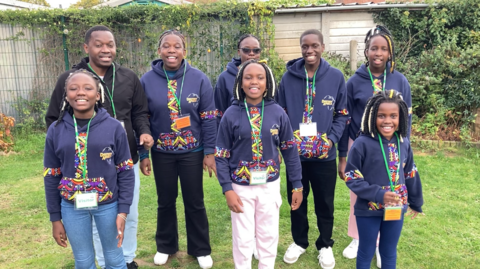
(183, 121)
(308, 129)
(258, 177)
(123, 125)
(392, 213)
(86, 201)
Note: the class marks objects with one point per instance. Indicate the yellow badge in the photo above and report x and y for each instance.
(105, 156)
(274, 131)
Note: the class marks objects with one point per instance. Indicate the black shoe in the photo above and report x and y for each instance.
(132, 265)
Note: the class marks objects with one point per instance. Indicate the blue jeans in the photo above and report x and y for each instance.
(78, 226)
(129, 244)
(368, 228)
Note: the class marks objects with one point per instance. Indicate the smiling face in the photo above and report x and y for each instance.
(172, 52)
(378, 54)
(388, 119)
(254, 81)
(101, 50)
(249, 49)
(312, 49)
(82, 94)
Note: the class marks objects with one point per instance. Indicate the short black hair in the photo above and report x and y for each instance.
(312, 32)
(89, 32)
(380, 30)
(245, 36)
(369, 119)
(239, 94)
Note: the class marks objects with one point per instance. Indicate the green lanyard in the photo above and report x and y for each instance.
(384, 78)
(386, 162)
(172, 90)
(253, 127)
(110, 94)
(84, 154)
(310, 96)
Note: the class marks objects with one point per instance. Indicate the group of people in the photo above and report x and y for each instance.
(237, 132)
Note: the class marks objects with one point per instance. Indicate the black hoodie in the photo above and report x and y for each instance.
(131, 105)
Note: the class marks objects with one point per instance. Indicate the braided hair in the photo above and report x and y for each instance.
(245, 36)
(380, 30)
(239, 94)
(369, 119)
(172, 32)
(65, 105)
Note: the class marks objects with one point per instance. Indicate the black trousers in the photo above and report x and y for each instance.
(167, 169)
(321, 178)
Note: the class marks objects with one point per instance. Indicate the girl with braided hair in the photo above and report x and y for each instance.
(183, 120)
(381, 172)
(250, 133)
(377, 74)
(77, 193)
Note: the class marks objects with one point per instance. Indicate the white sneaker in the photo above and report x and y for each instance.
(160, 258)
(205, 262)
(379, 259)
(293, 253)
(255, 250)
(326, 259)
(350, 252)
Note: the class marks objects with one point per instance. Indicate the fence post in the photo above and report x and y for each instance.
(353, 55)
(65, 49)
(477, 123)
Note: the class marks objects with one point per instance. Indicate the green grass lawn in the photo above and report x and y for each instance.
(448, 236)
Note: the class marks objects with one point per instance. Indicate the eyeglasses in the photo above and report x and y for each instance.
(248, 51)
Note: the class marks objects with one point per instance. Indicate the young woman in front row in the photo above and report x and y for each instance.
(376, 75)
(183, 121)
(77, 192)
(250, 133)
(381, 172)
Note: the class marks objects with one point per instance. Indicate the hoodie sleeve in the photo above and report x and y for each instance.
(355, 180)
(413, 183)
(221, 96)
(340, 117)
(140, 122)
(51, 176)
(407, 97)
(343, 142)
(56, 100)
(208, 116)
(289, 151)
(222, 154)
(280, 99)
(125, 173)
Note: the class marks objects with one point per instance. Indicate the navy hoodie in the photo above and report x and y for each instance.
(224, 86)
(329, 108)
(234, 149)
(110, 167)
(367, 177)
(196, 100)
(359, 90)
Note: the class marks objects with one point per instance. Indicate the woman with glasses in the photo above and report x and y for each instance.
(248, 48)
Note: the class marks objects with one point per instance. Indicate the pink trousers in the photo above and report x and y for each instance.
(258, 224)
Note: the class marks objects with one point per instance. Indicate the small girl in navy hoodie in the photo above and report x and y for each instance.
(77, 192)
(250, 133)
(381, 172)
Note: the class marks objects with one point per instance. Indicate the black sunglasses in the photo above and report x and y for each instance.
(247, 50)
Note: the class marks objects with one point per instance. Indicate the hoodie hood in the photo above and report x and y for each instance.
(296, 67)
(242, 104)
(100, 116)
(232, 67)
(362, 71)
(157, 67)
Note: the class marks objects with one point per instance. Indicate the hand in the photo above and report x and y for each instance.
(146, 140)
(146, 166)
(279, 159)
(297, 198)
(59, 234)
(342, 163)
(120, 229)
(330, 142)
(234, 202)
(413, 213)
(391, 199)
(209, 163)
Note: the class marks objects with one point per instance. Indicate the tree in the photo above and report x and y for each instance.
(87, 3)
(37, 2)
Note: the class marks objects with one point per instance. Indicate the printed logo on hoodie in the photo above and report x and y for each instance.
(329, 102)
(193, 99)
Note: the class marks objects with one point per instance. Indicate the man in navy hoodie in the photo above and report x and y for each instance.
(314, 96)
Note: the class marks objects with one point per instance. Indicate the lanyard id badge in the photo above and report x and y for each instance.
(392, 213)
(258, 176)
(183, 121)
(123, 125)
(86, 201)
(308, 129)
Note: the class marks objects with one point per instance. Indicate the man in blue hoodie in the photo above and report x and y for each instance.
(314, 96)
